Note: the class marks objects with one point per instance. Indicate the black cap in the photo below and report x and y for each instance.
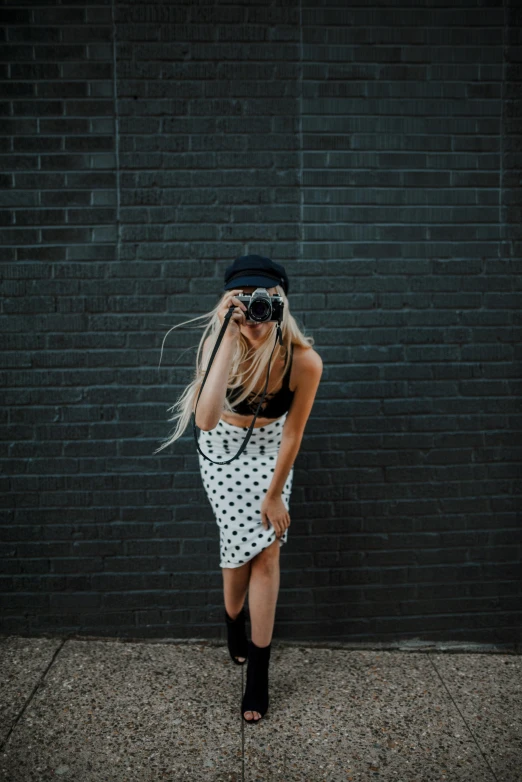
(255, 270)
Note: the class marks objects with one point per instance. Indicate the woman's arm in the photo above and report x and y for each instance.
(273, 509)
(309, 370)
(211, 401)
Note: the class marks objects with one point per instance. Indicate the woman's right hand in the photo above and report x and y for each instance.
(238, 318)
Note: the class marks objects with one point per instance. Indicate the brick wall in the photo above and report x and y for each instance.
(375, 152)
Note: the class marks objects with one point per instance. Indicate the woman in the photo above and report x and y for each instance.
(250, 495)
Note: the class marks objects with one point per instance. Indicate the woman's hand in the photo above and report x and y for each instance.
(273, 511)
(238, 318)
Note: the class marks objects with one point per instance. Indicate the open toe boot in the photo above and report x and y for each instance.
(237, 637)
(256, 691)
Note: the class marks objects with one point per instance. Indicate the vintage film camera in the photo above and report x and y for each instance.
(261, 306)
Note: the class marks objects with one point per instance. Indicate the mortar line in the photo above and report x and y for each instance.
(501, 226)
(463, 719)
(57, 651)
(300, 127)
(116, 130)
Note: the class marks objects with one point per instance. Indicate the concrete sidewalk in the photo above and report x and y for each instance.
(138, 711)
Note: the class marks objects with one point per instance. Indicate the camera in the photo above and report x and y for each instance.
(261, 306)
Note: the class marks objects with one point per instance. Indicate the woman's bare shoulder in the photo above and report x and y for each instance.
(307, 361)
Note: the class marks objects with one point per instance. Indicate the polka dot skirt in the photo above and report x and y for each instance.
(236, 490)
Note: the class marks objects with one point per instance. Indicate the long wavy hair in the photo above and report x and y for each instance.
(248, 364)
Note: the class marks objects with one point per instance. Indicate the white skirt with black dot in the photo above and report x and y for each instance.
(236, 490)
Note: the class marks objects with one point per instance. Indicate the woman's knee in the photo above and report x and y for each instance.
(268, 558)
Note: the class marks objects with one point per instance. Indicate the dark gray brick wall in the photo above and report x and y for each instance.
(375, 151)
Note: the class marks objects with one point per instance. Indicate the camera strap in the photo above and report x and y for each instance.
(216, 346)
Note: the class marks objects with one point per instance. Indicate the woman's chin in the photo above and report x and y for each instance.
(255, 332)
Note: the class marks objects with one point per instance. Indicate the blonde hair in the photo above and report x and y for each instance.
(291, 335)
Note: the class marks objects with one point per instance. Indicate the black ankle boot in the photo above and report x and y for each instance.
(256, 691)
(237, 637)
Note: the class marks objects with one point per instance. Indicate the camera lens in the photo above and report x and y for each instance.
(260, 309)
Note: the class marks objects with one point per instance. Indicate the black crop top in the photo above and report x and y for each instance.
(275, 404)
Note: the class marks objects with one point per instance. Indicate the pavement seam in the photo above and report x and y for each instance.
(242, 725)
(31, 696)
(463, 718)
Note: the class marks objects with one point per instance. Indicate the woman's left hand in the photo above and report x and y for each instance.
(273, 511)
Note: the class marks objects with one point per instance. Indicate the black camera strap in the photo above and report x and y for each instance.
(216, 346)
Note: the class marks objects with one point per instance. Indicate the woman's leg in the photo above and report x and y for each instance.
(235, 585)
(262, 598)
(262, 593)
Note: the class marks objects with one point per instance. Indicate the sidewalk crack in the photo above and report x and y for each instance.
(57, 651)
(488, 764)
